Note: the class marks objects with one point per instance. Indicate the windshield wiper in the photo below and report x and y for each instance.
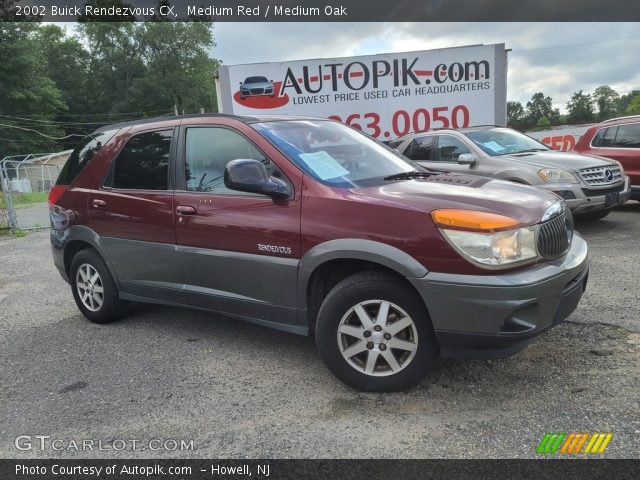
(411, 174)
(532, 150)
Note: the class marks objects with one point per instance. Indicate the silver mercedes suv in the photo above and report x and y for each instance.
(590, 185)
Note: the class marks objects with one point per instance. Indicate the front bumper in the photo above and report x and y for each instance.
(582, 198)
(493, 316)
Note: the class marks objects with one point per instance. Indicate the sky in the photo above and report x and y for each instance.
(555, 58)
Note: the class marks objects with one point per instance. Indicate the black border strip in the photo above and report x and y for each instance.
(565, 468)
(331, 11)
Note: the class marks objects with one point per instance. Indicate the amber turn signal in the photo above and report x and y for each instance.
(473, 220)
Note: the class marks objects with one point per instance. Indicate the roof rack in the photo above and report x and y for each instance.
(142, 121)
(620, 118)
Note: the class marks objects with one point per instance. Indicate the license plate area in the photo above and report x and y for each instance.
(611, 199)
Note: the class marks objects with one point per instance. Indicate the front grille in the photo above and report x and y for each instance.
(257, 91)
(554, 236)
(601, 175)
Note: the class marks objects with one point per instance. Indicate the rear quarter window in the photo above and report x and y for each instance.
(83, 154)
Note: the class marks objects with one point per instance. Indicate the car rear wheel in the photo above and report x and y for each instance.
(374, 334)
(94, 289)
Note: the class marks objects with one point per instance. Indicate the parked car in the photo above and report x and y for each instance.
(618, 139)
(590, 185)
(309, 226)
(256, 86)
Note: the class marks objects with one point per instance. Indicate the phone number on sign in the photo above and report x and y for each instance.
(403, 122)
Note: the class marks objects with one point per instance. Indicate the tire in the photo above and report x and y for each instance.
(591, 216)
(370, 291)
(84, 266)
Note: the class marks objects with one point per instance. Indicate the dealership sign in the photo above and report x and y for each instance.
(561, 138)
(385, 95)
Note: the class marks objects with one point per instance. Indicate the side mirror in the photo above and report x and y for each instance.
(248, 175)
(239, 83)
(271, 81)
(466, 159)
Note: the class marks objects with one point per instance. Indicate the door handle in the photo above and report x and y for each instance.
(99, 203)
(185, 210)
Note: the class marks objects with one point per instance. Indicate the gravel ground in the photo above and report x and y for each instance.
(240, 390)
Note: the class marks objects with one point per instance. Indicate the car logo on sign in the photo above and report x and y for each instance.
(608, 174)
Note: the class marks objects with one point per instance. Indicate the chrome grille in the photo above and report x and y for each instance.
(601, 175)
(554, 236)
(257, 91)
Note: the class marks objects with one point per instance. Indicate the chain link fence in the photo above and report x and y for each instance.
(25, 182)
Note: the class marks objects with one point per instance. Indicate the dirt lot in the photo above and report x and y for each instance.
(239, 390)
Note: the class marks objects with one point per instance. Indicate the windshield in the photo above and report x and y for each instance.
(504, 141)
(255, 80)
(333, 153)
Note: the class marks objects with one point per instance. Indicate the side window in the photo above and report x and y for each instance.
(628, 136)
(450, 148)
(597, 139)
(609, 137)
(208, 150)
(421, 148)
(143, 162)
(82, 155)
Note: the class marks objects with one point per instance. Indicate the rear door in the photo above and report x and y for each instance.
(133, 214)
(622, 143)
(240, 251)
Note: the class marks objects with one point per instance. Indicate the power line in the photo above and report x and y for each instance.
(55, 122)
(575, 44)
(41, 134)
(95, 114)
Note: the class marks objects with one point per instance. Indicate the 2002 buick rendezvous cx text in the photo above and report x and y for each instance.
(311, 227)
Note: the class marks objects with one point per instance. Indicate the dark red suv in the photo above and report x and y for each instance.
(617, 139)
(309, 226)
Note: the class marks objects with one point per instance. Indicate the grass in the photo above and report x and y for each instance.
(5, 232)
(19, 199)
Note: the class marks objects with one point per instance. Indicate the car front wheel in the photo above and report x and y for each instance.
(374, 334)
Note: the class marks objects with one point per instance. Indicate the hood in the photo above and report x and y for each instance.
(555, 158)
(526, 204)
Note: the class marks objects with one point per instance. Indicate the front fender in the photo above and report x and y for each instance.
(355, 249)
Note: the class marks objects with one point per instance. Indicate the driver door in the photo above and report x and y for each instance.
(239, 251)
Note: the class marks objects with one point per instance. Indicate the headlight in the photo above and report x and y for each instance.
(493, 241)
(557, 175)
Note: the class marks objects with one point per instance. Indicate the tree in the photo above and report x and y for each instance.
(607, 100)
(29, 99)
(179, 73)
(580, 108)
(67, 65)
(543, 122)
(515, 114)
(634, 106)
(540, 106)
(626, 100)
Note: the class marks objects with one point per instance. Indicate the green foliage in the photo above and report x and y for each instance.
(634, 106)
(625, 100)
(580, 108)
(540, 106)
(607, 100)
(515, 114)
(25, 89)
(543, 122)
(62, 83)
